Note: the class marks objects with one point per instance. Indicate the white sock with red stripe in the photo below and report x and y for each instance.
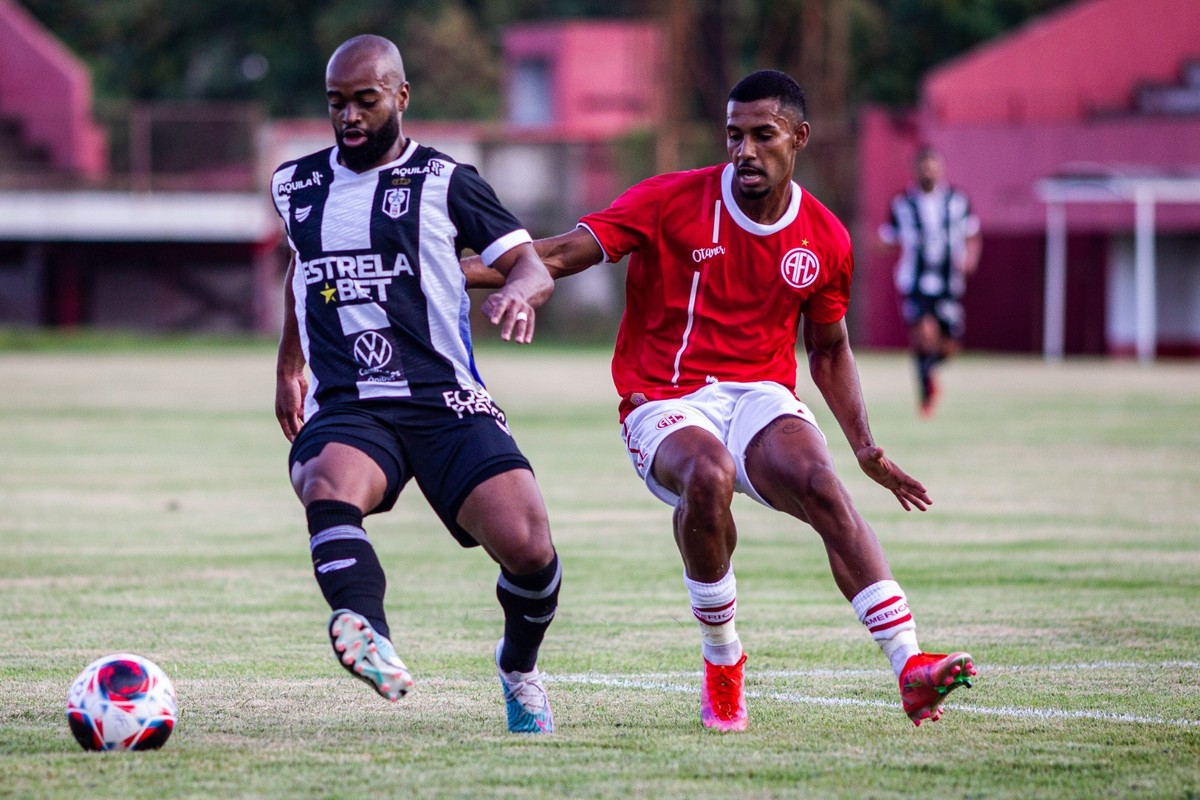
(883, 608)
(714, 606)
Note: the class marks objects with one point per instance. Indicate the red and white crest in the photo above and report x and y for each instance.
(800, 267)
(670, 419)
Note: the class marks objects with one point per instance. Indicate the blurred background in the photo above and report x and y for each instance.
(137, 138)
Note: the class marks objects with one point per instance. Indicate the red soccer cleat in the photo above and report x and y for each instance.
(722, 701)
(926, 680)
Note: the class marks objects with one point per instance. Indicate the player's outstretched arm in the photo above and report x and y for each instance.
(831, 364)
(563, 255)
(291, 385)
(527, 286)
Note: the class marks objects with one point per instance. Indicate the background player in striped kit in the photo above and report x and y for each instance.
(377, 309)
(725, 265)
(937, 235)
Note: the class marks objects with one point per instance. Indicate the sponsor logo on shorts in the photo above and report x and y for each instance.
(670, 419)
(800, 267)
(472, 401)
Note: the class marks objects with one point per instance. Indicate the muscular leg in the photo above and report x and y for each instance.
(789, 464)
(340, 472)
(338, 486)
(695, 465)
(507, 516)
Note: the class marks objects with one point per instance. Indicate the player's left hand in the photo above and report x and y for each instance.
(512, 313)
(908, 490)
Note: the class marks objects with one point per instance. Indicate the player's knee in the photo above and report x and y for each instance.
(709, 480)
(522, 539)
(822, 488)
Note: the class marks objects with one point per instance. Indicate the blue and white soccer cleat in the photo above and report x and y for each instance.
(525, 699)
(368, 655)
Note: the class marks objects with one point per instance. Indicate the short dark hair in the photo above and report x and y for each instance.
(773, 84)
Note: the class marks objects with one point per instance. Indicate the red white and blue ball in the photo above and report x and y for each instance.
(122, 702)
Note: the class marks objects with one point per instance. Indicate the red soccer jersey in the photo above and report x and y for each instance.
(711, 294)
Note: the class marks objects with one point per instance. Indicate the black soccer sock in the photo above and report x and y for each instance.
(925, 365)
(529, 603)
(344, 562)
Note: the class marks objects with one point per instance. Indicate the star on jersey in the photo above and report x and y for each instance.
(804, 242)
(328, 292)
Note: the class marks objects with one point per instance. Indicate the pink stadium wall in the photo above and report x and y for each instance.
(50, 91)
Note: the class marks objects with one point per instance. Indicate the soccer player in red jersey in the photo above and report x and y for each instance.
(726, 265)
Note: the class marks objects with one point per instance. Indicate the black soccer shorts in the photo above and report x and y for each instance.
(449, 444)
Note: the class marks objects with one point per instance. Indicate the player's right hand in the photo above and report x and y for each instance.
(290, 391)
(881, 469)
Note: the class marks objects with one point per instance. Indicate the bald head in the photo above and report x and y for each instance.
(368, 49)
(367, 94)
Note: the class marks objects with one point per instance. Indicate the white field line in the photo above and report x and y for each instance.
(668, 682)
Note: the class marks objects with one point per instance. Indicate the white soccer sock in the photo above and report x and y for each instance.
(883, 608)
(714, 606)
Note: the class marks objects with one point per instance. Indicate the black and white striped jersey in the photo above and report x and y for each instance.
(931, 229)
(380, 299)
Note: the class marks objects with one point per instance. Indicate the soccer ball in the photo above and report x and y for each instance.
(122, 702)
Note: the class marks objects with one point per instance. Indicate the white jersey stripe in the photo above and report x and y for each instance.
(717, 222)
(442, 282)
(687, 331)
(346, 224)
(362, 317)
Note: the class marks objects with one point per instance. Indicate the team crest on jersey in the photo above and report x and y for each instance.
(800, 267)
(395, 202)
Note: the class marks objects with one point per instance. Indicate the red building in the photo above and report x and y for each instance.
(1109, 109)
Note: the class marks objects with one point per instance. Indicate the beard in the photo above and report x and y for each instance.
(368, 154)
(754, 194)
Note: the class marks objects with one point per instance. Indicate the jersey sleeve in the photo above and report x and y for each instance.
(630, 222)
(483, 223)
(829, 303)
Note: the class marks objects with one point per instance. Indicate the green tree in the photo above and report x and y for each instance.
(895, 42)
(274, 51)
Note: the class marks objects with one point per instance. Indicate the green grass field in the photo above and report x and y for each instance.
(145, 508)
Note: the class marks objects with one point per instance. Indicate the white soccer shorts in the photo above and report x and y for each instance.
(732, 412)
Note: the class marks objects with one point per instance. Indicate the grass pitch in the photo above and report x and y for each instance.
(145, 507)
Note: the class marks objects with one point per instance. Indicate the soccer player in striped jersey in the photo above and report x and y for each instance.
(376, 307)
(726, 265)
(936, 235)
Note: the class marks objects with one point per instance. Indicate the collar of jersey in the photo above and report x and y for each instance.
(348, 174)
(745, 222)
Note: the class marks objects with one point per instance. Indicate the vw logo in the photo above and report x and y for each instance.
(372, 350)
(800, 267)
